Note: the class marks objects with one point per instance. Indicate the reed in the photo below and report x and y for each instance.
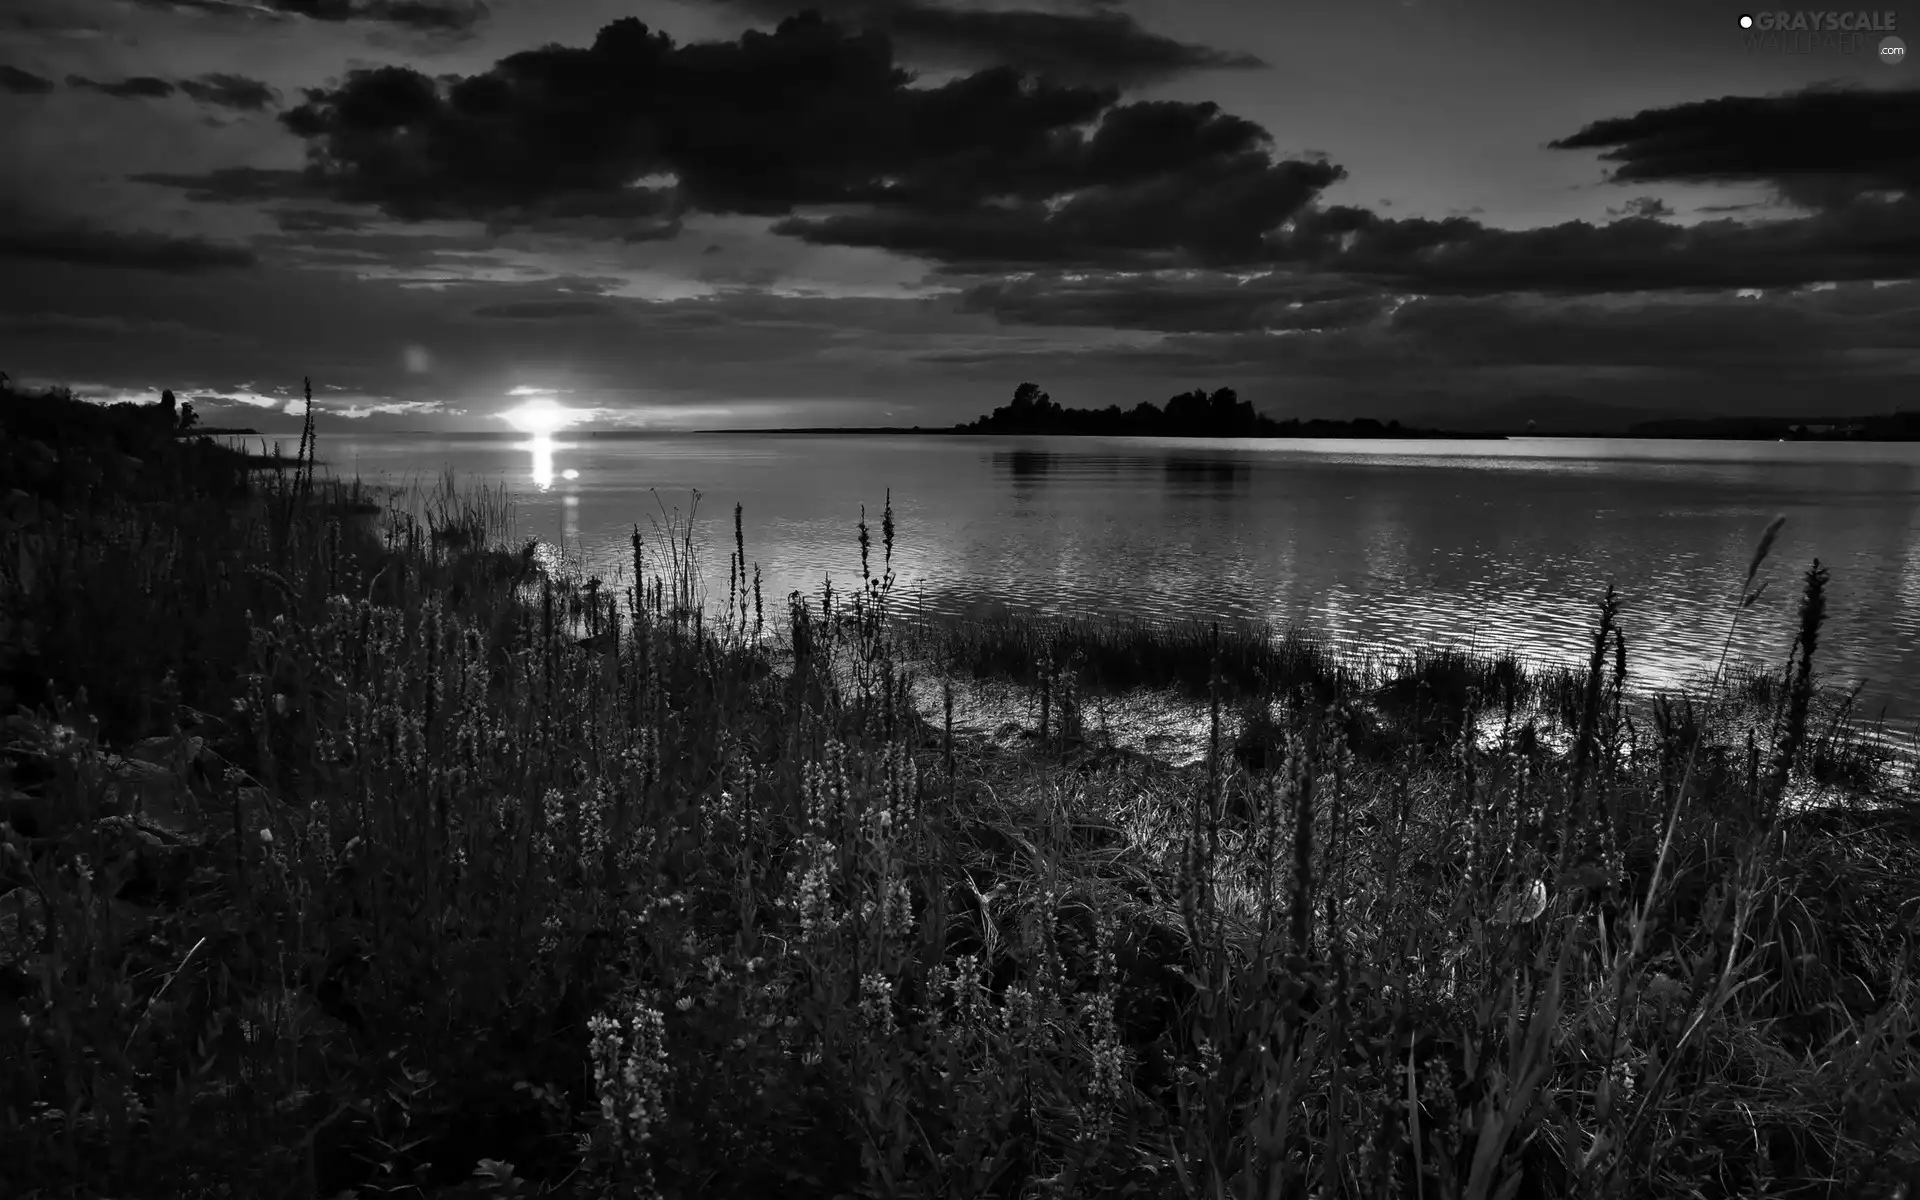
(389, 856)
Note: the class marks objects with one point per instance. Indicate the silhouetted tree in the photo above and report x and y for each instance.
(1188, 410)
(1198, 413)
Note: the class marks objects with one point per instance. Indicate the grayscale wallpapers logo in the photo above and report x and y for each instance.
(1827, 31)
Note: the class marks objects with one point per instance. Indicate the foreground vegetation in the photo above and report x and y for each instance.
(356, 854)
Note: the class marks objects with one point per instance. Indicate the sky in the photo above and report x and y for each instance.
(729, 213)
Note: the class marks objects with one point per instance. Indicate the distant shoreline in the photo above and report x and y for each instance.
(1701, 432)
(942, 432)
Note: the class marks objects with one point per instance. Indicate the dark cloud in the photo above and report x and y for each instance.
(23, 83)
(1821, 147)
(633, 132)
(1299, 321)
(1805, 350)
(53, 20)
(1218, 213)
(234, 185)
(1178, 302)
(224, 8)
(231, 91)
(1000, 170)
(1868, 239)
(217, 88)
(427, 16)
(1096, 43)
(317, 220)
(1719, 333)
(104, 328)
(1651, 207)
(140, 87)
(1853, 156)
(145, 251)
(424, 16)
(545, 310)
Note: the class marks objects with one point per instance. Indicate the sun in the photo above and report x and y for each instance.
(539, 417)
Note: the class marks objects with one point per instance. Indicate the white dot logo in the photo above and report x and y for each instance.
(1746, 22)
(1893, 51)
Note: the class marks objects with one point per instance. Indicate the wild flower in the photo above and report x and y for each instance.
(595, 825)
(1107, 1056)
(810, 891)
(629, 1057)
(825, 788)
(1019, 1012)
(1209, 1058)
(1622, 1078)
(897, 910)
(549, 841)
(876, 1005)
(969, 990)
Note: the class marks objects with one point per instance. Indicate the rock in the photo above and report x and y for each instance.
(19, 510)
(23, 921)
(179, 753)
(131, 781)
(1520, 902)
(146, 861)
(27, 553)
(160, 794)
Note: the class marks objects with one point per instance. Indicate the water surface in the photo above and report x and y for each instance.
(1378, 545)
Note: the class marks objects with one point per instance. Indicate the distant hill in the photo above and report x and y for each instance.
(1887, 427)
(1549, 414)
(1567, 416)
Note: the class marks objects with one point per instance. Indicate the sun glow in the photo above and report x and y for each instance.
(541, 445)
(540, 417)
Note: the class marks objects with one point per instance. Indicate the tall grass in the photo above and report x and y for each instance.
(460, 873)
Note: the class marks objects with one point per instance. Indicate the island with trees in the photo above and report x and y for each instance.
(1190, 414)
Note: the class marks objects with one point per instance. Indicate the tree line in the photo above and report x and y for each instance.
(1197, 413)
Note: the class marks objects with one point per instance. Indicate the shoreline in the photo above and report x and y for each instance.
(903, 430)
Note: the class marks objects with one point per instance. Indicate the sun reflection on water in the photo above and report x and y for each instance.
(542, 447)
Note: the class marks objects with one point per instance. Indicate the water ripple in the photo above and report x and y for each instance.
(1378, 545)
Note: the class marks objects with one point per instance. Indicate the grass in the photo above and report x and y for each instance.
(375, 854)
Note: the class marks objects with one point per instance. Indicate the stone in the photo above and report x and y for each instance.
(23, 921)
(146, 862)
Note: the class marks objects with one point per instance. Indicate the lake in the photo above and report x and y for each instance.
(1375, 545)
